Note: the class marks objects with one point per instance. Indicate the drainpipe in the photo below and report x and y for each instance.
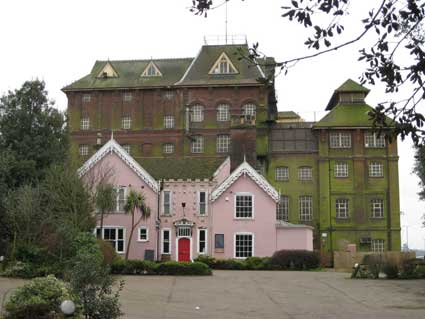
(158, 221)
(389, 230)
(330, 212)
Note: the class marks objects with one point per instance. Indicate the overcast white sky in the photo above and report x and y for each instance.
(59, 41)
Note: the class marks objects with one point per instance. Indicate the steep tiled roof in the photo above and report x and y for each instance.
(130, 74)
(184, 168)
(348, 86)
(197, 73)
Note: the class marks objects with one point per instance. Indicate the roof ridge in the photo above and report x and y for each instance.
(146, 60)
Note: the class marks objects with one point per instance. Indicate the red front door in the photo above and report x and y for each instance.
(184, 249)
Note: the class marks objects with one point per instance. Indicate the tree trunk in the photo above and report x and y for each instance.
(131, 234)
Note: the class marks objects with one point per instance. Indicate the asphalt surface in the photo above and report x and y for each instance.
(264, 294)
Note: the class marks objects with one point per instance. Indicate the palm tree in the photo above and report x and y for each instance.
(105, 201)
(135, 201)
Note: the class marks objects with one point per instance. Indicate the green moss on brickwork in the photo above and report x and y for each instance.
(262, 142)
(74, 119)
(185, 168)
(210, 145)
(347, 115)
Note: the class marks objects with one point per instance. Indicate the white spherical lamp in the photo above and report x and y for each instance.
(68, 307)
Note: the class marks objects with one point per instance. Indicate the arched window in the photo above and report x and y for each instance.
(249, 111)
(223, 113)
(197, 113)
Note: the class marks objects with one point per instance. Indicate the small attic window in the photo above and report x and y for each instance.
(151, 70)
(351, 97)
(107, 71)
(223, 65)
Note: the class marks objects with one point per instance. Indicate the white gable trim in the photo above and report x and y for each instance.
(151, 64)
(245, 169)
(113, 147)
(217, 171)
(189, 68)
(217, 62)
(110, 71)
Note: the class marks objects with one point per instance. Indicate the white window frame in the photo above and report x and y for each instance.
(197, 113)
(340, 140)
(139, 234)
(252, 244)
(371, 140)
(378, 245)
(169, 241)
(117, 198)
(281, 173)
(305, 173)
(252, 205)
(169, 121)
(168, 148)
(223, 113)
(116, 240)
(85, 123)
(197, 145)
(377, 208)
(86, 98)
(341, 169)
(83, 150)
(282, 210)
(303, 216)
(199, 203)
(376, 169)
(249, 110)
(126, 122)
(342, 208)
(223, 143)
(199, 241)
(127, 97)
(163, 202)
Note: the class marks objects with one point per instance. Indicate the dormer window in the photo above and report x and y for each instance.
(223, 65)
(351, 98)
(107, 71)
(151, 70)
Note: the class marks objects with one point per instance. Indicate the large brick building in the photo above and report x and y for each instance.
(180, 118)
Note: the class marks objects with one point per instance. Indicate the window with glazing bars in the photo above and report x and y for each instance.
(85, 123)
(202, 241)
(249, 111)
(197, 145)
(168, 148)
(223, 143)
(197, 113)
(341, 169)
(167, 203)
(377, 208)
(243, 245)
(306, 208)
(371, 140)
(243, 206)
(166, 241)
(376, 169)
(283, 208)
(169, 121)
(378, 245)
(126, 122)
(223, 113)
(127, 97)
(83, 149)
(340, 140)
(86, 98)
(184, 231)
(127, 148)
(282, 173)
(119, 198)
(113, 235)
(305, 173)
(341, 207)
(202, 209)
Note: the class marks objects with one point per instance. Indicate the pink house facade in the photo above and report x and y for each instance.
(229, 215)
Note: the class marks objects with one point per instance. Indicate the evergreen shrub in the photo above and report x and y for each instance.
(391, 270)
(295, 259)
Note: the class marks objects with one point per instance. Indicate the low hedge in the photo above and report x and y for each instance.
(173, 268)
(373, 265)
(281, 260)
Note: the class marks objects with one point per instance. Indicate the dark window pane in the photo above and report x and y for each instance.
(219, 240)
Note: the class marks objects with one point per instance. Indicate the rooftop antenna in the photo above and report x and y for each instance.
(226, 21)
(112, 134)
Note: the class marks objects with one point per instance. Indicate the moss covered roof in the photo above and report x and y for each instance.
(130, 74)
(348, 86)
(346, 115)
(184, 168)
(288, 115)
(198, 72)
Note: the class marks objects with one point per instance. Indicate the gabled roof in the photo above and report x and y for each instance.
(113, 147)
(198, 72)
(130, 72)
(245, 169)
(348, 86)
(149, 67)
(108, 71)
(215, 69)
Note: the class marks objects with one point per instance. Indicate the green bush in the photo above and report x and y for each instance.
(408, 269)
(108, 251)
(144, 267)
(207, 260)
(230, 264)
(391, 270)
(374, 264)
(40, 298)
(295, 259)
(420, 272)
